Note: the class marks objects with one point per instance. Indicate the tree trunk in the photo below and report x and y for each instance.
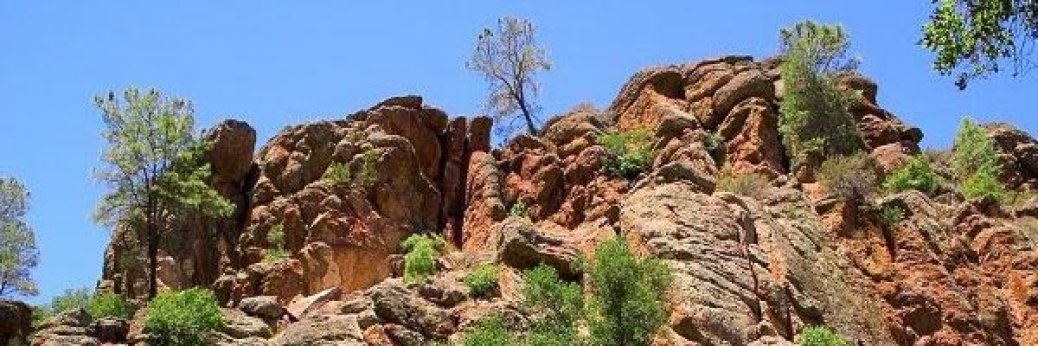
(528, 117)
(153, 266)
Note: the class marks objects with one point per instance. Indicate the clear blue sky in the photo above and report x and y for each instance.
(274, 63)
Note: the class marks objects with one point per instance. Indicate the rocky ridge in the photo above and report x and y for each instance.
(747, 270)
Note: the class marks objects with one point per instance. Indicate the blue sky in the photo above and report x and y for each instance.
(274, 63)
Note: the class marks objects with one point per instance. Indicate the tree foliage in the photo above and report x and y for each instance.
(555, 307)
(975, 163)
(154, 167)
(183, 318)
(509, 57)
(71, 299)
(814, 111)
(18, 252)
(975, 38)
(628, 295)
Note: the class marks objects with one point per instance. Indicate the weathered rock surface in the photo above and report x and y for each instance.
(747, 270)
(15, 322)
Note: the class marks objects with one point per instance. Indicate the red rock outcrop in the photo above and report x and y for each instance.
(748, 270)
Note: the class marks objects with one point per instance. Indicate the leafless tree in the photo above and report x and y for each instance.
(509, 58)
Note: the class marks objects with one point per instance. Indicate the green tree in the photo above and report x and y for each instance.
(628, 295)
(975, 38)
(509, 57)
(18, 252)
(975, 163)
(183, 318)
(154, 168)
(814, 117)
(554, 305)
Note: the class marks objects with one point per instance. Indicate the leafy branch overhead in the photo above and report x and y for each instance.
(509, 58)
(976, 38)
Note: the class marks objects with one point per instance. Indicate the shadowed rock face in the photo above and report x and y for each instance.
(747, 270)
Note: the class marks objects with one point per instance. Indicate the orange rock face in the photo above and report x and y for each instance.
(748, 270)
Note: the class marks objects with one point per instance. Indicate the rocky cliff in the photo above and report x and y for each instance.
(748, 269)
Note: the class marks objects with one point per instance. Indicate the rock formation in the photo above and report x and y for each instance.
(747, 270)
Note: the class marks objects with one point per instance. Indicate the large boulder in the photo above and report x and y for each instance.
(739, 269)
(15, 322)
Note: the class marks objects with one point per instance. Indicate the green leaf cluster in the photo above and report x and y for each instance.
(110, 304)
(975, 163)
(820, 336)
(482, 280)
(518, 209)
(365, 175)
(421, 252)
(18, 252)
(183, 318)
(627, 295)
(555, 307)
(814, 119)
(916, 174)
(276, 242)
(975, 38)
(630, 152)
(891, 214)
(489, 331)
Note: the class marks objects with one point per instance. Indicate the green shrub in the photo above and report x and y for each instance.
(339, 173)
(489, 331)
(628, 295)
(975, 163)
(482, 280)
(814, 118)
(715, 146)
(276, 240)
(183, 318)
(110, 305)
(851, 178)
(555, 306)
(916, 174)
(518, 209)
(421, 251)
(630, 152)
(746, 184)
(820, 336)
(891, 214)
